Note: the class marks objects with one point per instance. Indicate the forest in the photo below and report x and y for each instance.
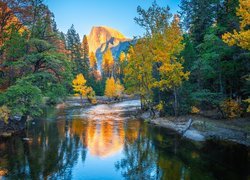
(190, 62)
(170, 103)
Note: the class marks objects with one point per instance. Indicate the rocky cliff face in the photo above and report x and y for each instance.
(102, 38)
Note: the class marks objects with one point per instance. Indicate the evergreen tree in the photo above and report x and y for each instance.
(198, 16)
(73, 44)
(85, 54)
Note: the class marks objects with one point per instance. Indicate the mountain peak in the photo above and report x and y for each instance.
(99, 35)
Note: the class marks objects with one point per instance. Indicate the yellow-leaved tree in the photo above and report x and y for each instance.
(80, 87)
(122, 61)
(110, 87)
(167, 49)
(113, 89)
(93, 61)
(138, 72)
(93, 65)
(159, 53)
(118, 88)
(240, 38)
(107, 63)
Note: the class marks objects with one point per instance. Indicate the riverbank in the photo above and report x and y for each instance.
(75, 101)
(200, 128)
(16, 126)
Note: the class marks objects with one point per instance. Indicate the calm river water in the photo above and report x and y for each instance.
(102, 143)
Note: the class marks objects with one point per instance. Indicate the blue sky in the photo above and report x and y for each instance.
(117, 14)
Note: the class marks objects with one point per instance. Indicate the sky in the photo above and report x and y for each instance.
(117, 14)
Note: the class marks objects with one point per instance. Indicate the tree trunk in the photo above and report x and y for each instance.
(81, 100)
(141, 103)
(175, 103)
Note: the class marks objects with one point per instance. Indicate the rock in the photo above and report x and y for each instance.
(102, 38)
(194, 135)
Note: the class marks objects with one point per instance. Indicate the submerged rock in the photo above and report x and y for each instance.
(194, 135)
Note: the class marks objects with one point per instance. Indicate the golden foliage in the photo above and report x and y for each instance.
(138, 72)
(195, 110)
(8, 22)
(112, 88)
(79, 85)
(91, 96)
(108, 62)
(231, 108)
(122, 57)
(248, 101)
(4, 114)
(241, 38)
(167, 48)
(160, 106)
(118, 88)
(92, 61)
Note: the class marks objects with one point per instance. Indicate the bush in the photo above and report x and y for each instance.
(248, 103)
(231, 108)
(91, 96)
(194, 110)
(4, 114)
(23, 99)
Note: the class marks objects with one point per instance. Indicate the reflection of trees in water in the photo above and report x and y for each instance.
(50, 153)
(153, 154)
(140, 156)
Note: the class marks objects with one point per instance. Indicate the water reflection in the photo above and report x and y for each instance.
(73, 145)
(102, 138)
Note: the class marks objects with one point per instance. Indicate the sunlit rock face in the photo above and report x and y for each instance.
(101, 35)
(102, 38)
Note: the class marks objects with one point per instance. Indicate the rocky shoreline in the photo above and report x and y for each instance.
(199, 128)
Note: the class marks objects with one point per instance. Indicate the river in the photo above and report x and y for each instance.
(104, 142)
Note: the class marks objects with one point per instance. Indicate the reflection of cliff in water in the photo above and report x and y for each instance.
(103, 138)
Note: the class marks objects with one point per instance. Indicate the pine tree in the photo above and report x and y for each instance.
(198, 16)
(85, 54)
(73, 44)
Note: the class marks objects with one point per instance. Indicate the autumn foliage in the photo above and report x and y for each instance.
(231, 108)
(80, 87)
(113, 89)
(240, 38)
(107, 63)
